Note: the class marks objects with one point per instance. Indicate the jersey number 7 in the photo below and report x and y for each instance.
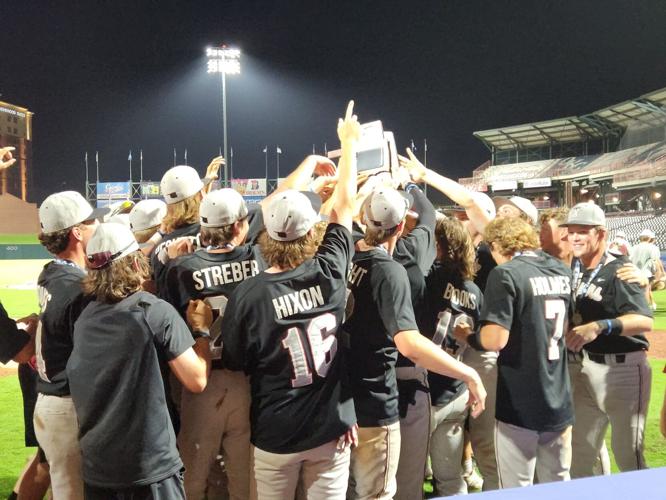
(323, 344)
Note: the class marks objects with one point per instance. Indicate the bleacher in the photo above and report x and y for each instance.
(633, 224)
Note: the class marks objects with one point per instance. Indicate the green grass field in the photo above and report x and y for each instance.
(18, 239)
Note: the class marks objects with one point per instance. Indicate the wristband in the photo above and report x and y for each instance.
(156, 238)
(610, 326)
(201, 334)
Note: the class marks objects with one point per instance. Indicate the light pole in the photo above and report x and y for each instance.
(226, 61)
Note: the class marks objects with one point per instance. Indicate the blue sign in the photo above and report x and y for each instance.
(114, 190)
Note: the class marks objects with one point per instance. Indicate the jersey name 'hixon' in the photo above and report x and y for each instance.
(229, 272)
(299, 301)
(550, 285)
(458, 297)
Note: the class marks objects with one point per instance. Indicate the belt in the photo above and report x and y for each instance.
(615, 359)
(574, 357)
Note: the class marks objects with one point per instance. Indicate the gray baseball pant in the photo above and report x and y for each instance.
(447, 443)
(613, 389)
(220, 414)
(523, 452)
(482, 429)
(414, 437)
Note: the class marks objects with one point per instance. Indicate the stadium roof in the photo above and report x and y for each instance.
(647, 110)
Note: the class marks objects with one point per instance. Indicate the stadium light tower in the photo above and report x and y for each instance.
(225, 61)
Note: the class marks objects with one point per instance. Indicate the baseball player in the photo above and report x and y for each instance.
(220, 414)
(379, 324)
(525, 313)
(67, 221)
(610, 319)
(280, 327)
(145, 219)
(452, 299)
(127, 442)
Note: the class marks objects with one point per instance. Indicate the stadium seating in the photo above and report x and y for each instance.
(633, 224)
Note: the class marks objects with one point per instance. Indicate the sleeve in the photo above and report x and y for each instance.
(12, 340)
(234, 338)
(419, 245)
(255, 219)
(499, 298)
(335, 251)
(394, 301)
(629, 298)
(172, 291)
(171, 332)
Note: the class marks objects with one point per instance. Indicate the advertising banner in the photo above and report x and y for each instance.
(150, 190)
(113, 190)
(250, 187)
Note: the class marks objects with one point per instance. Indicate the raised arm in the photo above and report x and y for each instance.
(349, 133)
(301, 177)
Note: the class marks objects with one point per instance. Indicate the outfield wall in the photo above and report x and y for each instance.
(14, 252)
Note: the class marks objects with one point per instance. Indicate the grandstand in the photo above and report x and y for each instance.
(615, 156)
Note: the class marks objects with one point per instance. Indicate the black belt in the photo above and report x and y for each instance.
(601, 358)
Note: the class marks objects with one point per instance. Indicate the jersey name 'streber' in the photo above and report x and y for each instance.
(356, 275)
(550, 285)
(229, 272)
(460, 298)
(299, 301)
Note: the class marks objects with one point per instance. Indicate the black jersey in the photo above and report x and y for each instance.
(607, 297)
(125, 432)
(485, 263)
(61, 300)
(379, 306)
(531, 297)
(416, 252)
(211, 277)
(12, 340)
(158, 259)
(450, 300)
(281, 329)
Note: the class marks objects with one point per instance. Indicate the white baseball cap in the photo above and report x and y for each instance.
(647, 233)
(522, 204)
(111, 241)
(221, 208)
(120, 219)
(485, 203)
(290, 216)
(384, 208)
(66, 209)
(585, 214)
(179, 183)
(147, 214)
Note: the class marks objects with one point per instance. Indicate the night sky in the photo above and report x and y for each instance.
(121, 75)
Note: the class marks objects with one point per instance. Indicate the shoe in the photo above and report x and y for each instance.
(474, 480)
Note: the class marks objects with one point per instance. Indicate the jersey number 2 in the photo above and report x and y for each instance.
(323, 344)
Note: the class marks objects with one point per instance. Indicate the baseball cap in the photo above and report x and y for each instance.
(585, 214)
(290, 216)
(111, 241)
(522, 204)
(179, 183)
(147, 214)
(221, 208)
(647, 233)
(385, 208)
(120, 219)
(66, 209)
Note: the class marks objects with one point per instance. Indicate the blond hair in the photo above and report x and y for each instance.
(455, 243)
(289, 254)
(145, 234)
(120, 279)
(558, 214)
(182, 213)
(511, 235)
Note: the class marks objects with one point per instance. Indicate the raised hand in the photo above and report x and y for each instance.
(6, 157)
(417, 170)
(212, 172)
(349, 130)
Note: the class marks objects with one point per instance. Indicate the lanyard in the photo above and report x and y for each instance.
(227, 246)
(64, 262)
(580, 287)
(526, 253)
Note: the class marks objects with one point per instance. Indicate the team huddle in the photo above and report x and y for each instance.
(336, 340)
